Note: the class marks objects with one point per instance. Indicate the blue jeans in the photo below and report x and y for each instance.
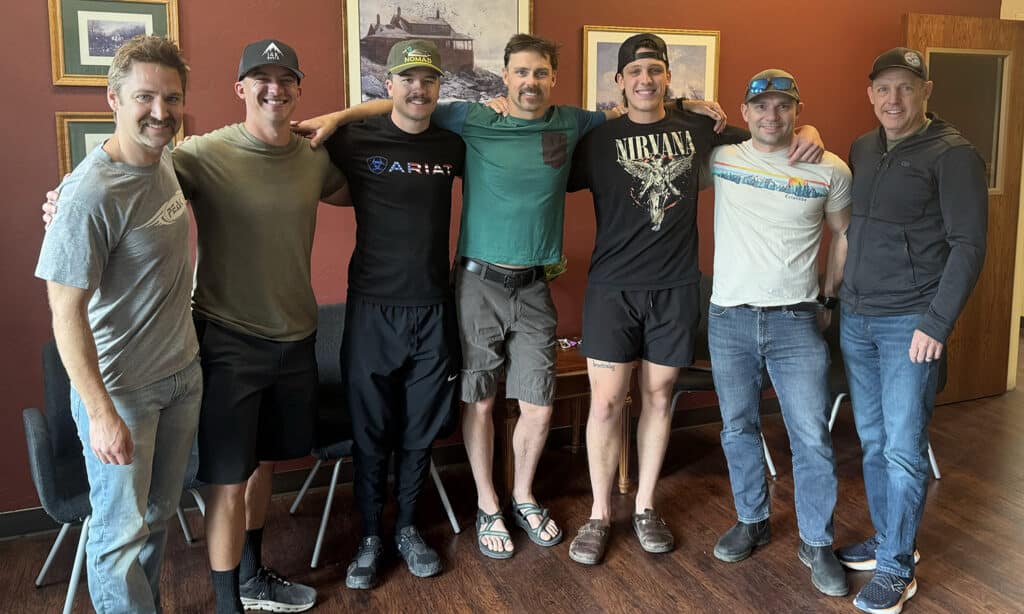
(131, 504)
(744, 342)
(893, 399)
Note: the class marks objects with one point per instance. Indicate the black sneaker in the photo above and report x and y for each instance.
(885, 593)
(827, 575)
(421, 559)
(270, 592)
(362, 571)
(737, 543)
(861, 557)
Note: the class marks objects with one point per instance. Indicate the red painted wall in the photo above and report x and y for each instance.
(827, 45)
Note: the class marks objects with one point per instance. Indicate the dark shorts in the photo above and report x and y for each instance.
(259, 401)
(659, 326)
(401, 366)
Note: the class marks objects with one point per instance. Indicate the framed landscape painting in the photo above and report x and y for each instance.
(84, 34)
(692, 59)
(470, 34)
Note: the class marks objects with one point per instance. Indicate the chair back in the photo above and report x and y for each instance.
(54, 449)
(334, 424)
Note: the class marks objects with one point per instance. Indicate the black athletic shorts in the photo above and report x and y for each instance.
(401, 366)
(659, 326)
(259, 401)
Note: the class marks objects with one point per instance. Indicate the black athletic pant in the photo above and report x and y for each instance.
(400, 365)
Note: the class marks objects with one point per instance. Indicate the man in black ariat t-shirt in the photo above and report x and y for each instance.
(642, 298)
(400, 350)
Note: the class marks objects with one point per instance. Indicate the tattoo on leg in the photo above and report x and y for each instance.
(597, 364)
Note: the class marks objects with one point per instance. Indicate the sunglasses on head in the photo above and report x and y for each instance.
(780, 84)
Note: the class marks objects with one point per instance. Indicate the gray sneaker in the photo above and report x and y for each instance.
(362, 571)
(270, 592)
(421, 559)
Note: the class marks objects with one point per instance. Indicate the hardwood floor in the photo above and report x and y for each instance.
(971, 538)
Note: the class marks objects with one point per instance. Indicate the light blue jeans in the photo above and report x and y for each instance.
(131, 504)
(893, 399)
(743, 343)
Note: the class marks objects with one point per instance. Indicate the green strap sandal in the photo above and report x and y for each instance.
(522, 512)
(485, 528)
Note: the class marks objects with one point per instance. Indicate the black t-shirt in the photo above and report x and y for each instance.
(645, 179)
(401, 187)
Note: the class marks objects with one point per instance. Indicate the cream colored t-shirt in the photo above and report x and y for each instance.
(255, 206)
(768, 224)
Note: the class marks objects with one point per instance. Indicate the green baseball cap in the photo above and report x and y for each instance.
(414, 53)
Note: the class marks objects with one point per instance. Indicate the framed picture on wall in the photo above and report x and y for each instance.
(692, 59)
(470, 34)
(84, 34)
(78, 133)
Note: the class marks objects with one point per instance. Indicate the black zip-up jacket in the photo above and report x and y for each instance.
(917, 235)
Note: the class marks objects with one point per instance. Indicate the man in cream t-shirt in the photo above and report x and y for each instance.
(765, 312)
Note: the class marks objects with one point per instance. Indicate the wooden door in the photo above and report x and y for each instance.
(979, 349)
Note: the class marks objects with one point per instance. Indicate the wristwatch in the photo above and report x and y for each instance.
(828, 302)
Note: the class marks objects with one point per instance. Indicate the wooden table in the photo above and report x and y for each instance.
(572, 393)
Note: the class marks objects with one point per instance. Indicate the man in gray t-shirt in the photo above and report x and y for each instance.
(118, 277)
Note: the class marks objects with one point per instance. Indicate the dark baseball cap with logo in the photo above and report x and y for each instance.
(900, 57)
(415, 53)
(266, 52)
(652, 44)
(772, 80)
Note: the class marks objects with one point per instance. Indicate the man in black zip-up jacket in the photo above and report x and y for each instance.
(916, 247)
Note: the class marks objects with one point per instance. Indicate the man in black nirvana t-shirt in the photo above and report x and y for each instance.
(400, 351)
(642, 298)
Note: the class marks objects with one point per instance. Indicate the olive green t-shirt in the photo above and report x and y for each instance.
(255, 207)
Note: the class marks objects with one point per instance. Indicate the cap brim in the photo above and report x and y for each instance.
(750, 98)
(885, 68)
(298, 73)
(410, 65)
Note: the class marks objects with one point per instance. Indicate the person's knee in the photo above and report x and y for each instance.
(605, 408)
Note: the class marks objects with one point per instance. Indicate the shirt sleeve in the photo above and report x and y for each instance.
(451, 115)
(963, 199)
(839, 196)
(187, 167)
(579, 175)
(730, 136)
(76, 246)
(588, 120)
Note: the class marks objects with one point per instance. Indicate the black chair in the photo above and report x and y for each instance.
(58, 467)
(334, 427)
(840, 387)
(699, 379)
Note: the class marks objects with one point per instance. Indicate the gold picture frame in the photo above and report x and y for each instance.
(85, 33)
(370, 27)
(693, 60)
(78, 132)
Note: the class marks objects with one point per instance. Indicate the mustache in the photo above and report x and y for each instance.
(529, 90)
(152, 123)
(417, 98)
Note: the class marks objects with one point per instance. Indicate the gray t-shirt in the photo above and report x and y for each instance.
(123, 232)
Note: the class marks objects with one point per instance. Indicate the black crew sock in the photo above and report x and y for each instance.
(225, 591)
(252, 555)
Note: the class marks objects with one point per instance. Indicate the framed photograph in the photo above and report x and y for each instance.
(78, 133)
(84, 34)
(692, 58)
(471, 35)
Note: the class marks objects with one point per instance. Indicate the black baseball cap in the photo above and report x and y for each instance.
(268, 51)
(628, 50)
(900, 57)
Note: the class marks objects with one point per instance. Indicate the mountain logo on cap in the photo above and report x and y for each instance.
(412, 54)
(272, 53)
(912, 59)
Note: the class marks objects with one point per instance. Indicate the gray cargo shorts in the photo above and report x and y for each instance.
(506, 330)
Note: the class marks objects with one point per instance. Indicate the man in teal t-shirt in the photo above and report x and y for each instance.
(517, 167)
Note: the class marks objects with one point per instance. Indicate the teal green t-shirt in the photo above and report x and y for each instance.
(514, 185)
